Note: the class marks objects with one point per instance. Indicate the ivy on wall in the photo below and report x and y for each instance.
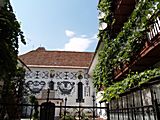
(101, 72)
(124, 47)
(132, 80)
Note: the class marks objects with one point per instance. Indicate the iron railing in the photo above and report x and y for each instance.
(139, 103)
(27, 112)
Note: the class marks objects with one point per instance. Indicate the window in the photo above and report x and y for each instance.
(80, 92)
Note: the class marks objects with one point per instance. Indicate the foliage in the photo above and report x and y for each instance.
(72, 115)
(101, 71)
(132, 80)
(36, 112)
(10, 73)
(18, 81)
(105, 7)
(126, 45)
(34, 102)
(10, 34)
(14, 85)
(32, 99)
(68, 116)
(13, 93)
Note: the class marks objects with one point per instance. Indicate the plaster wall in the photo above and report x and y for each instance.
(65, 84)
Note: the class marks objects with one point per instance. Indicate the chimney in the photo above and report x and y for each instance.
(41, 49)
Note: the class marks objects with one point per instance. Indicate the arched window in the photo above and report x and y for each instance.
(80, 92)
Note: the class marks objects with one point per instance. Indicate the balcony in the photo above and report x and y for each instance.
(122, 9)
(149, 54)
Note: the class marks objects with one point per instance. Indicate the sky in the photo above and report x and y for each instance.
(69, 25)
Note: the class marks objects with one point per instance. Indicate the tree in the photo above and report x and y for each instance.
(10, 73)
(10, 34)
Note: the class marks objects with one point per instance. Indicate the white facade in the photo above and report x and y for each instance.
(99, 94)
(64, 84)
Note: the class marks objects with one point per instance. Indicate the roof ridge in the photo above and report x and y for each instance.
(57, 58)
(42, 49)
(68, 51)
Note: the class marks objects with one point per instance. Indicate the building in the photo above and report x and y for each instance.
(64, 73)
(125, 68)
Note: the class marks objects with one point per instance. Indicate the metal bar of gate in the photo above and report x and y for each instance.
(142, 104)
(122, 108)
(108, 114)
(118, 109)
(152, 98)
(156, 107)
(127, 107)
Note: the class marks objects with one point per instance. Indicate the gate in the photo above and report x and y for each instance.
(47, 111)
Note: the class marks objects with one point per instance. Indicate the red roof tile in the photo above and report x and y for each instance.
(43, 57)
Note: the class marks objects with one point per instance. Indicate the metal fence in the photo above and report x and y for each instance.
(139, 103)
(47, 111)
(128, 107)
(135, 113)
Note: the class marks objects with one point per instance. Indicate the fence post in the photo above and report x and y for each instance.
(142, 104)
(127, 107)
(60, 112)
(65, 108)
(79, 112)
(93, 106)
(108, 115)
(31, 112)
(156, 107)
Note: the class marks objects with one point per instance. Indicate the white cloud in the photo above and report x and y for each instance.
(83, 36)
(69, 33)
(78, 43)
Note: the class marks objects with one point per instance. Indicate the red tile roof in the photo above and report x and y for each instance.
(42, 57)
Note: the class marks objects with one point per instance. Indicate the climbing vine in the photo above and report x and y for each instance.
(132, 80)
(101, 72)
(123, 48)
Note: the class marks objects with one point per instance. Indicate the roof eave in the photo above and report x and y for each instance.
(53, 66)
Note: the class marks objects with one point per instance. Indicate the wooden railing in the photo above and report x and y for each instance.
(154, 28)
(152, 34)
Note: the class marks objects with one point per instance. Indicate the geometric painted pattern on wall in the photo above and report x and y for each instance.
(87, 88)
(35, 86)
(66, 87)
(56, 74)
